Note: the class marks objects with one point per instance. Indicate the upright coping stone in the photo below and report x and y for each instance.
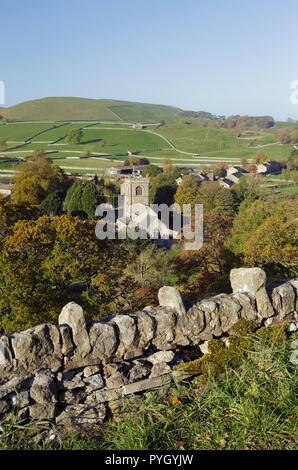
(72, 314)
(253, 281)
(170, 297)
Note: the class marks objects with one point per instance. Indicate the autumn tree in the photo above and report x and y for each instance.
(203, 272)
(37, 153)
(251, 168)
(11, 213)
(217, 172)
(167, 165)
(187, 192)
(273, 246)
(35, 179)
(225, 203)
(260, 157)
(223, 165)
(285, 174)
(39, 259)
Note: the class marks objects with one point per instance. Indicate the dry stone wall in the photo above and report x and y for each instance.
(74, 372)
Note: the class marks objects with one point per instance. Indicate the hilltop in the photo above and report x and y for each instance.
(63, 108)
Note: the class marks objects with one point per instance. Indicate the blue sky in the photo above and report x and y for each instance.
(223, 56)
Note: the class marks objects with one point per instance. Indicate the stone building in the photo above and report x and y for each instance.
(134, 191)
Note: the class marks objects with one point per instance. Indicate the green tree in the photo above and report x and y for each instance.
(251, 215)
(73, 200)
(74, 136)
(162, 189)
(151, 170)
(90, 199)
(52, 204)
(248, 188)
(175, 173)
(225, 203)
(207, 194)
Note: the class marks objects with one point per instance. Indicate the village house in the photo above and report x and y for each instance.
(226, 183)
(234, 170)
(235, 177)
(271, 167)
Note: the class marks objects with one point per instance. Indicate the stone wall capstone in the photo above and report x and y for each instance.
(74, 372)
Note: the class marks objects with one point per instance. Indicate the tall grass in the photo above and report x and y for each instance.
(252, 407)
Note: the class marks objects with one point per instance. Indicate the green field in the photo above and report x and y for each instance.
(7, 165)
(99, 139)
(220, 143)
(56, 133)
(177, 141)
(22, 131)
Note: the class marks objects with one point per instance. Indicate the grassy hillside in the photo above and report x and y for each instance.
(222, 143)
(63, 108)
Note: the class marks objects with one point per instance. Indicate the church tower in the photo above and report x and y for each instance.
(134, 191)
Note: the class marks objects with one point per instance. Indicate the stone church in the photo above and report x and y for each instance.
(134, 191)
(135, 209)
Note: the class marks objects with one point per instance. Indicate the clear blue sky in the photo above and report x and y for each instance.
(223, 56)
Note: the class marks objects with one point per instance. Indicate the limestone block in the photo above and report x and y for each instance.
(170, 297)
(43, 389)
(253, 280)
(72, 314)
(5, 352)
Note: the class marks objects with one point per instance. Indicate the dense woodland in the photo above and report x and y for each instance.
(49, 253)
